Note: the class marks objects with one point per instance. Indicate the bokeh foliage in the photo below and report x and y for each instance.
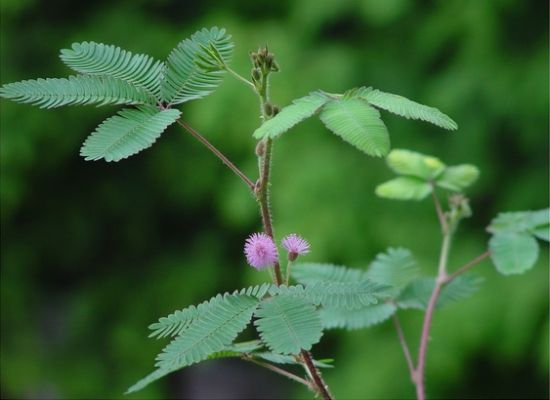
(93, 252)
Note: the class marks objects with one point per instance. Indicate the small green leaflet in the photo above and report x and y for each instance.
(288, 324)
(358, 124)
(299, 110)
(356, 319)
(127, 133)
(311, 273)
(404, 188)
(513, 252)
(409, 109)
(458, 177)
(396, 267)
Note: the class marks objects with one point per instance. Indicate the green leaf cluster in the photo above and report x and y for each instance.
(513, 245)
(111, 75)
(353, 116)
(419, 174)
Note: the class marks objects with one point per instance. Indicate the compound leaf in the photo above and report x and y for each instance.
(127, 133)
(409, 109)
(404, 188)
(346, 295)
(57, 92)
(396, 267)
(311, 273)
(299, 110)
(185, 77)
(288, 324)
(358, 124)
(513, 252)
(92, 58)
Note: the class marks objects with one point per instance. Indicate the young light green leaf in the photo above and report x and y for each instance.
(409, 109)
(184, 78)
(520, 221)
(311, 273)
(356, 319)
(396, 267)
(288, 324)
(299, 110)
(406, 162)
(513, 252)
(91, 58)
(404, 188)
(127, 133)
(358, 124)
(458, 177)
(76, 90)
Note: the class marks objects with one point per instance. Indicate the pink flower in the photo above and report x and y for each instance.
(295, 246)
(260, 251)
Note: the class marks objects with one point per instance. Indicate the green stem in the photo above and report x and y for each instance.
(288, 267)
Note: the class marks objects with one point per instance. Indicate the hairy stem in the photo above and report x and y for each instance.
(404, 346)
(217, 153)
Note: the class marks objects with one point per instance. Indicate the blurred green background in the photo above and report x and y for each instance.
(92, 252)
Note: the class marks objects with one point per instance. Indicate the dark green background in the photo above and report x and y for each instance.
(92, 252)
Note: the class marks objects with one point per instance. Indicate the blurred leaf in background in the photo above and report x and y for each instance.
(92, 253)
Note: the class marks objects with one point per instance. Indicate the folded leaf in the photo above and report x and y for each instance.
(404, 188)
(406, 162)
(458, 177)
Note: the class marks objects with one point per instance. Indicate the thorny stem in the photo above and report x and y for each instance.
(404, 346)
(316, 375)
(262, 194)
(280, 371)
(218, 153)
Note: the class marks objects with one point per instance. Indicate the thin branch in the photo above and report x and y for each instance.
(404, 346)
(218, 153)
(240, 77)
(439, 210)
(279, 371)
(467, 266)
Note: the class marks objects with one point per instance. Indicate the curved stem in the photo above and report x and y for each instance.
(240, 77)
(217, 153)
(280, 371)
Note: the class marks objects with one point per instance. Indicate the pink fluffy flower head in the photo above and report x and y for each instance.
(260, 251)
(295, 245)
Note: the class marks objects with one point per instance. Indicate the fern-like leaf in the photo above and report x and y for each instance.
(356, 319)
(396, 267)
(299, 110)
(92, 58)
(418, 292)
(409, 109)
(311, 273)
(217, 325)
(127, 133)
(346, 295)
(81, 90)
(184, 77)
(288, 324)
(358, 124)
